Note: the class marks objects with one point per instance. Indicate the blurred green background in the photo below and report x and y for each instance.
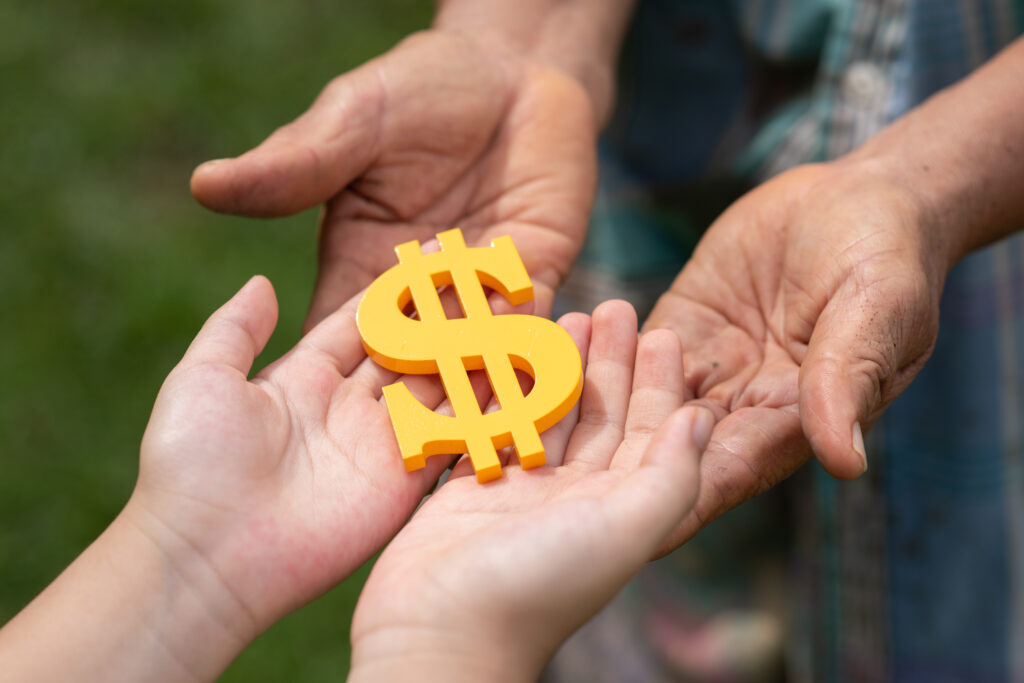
(108, 267)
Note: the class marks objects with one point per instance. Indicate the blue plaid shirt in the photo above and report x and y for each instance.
(915, 572)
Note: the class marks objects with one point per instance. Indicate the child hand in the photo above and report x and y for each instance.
(485, 582)
(253, 498)
(284, 484)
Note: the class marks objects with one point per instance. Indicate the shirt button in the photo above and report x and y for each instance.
(864, 82)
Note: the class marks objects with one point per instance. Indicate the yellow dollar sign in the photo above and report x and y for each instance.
(434, 344)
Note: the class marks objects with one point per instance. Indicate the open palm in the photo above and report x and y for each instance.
(504, 572)
(287, 483)
(440, 132)
(805, 310)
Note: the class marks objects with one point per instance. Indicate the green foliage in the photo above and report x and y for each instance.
(108, 267)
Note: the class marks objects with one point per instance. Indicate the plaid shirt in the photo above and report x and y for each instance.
(914, 572)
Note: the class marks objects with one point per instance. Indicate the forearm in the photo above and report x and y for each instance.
(580, 37)
(962, 154)
(125, 611)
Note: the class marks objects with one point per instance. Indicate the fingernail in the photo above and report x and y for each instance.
(703, 424)
(858, 445)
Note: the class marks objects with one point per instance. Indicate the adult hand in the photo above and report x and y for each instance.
(486, 581)
(806, 309)
(814, 300)
(444, 130)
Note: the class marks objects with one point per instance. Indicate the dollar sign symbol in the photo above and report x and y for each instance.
(432, 343)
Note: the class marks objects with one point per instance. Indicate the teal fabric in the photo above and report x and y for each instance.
(914, 572)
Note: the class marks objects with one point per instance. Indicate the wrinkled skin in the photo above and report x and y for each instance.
(439, 132)
(807, 307)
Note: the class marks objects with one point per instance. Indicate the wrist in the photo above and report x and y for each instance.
(922, 207)
(125, 609)
(579, 38)
(424, 654)
(186, 602)
(959, 152)
(597, 78)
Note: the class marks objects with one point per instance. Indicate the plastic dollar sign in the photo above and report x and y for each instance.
(431, 343)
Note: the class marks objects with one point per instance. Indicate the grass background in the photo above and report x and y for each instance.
(108, 267)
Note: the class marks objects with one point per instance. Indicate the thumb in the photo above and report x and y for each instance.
(237, 332)
(658, 494)
(867, 345)
(305, 162)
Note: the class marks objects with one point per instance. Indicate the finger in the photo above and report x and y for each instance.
(450, 303)
(547, 254)
(865, 349)
(606, 387)
(464, 466)
(371, 378)
(484, 396)
(305, 162)
(556, 439)
(341, 275)
(654, 498)
(237, 332)
(506, 456)
(429, 391)
(636, 510)
(335, 339)
(658, 390)
(368, 379)
(751, 450)
(502, 306)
